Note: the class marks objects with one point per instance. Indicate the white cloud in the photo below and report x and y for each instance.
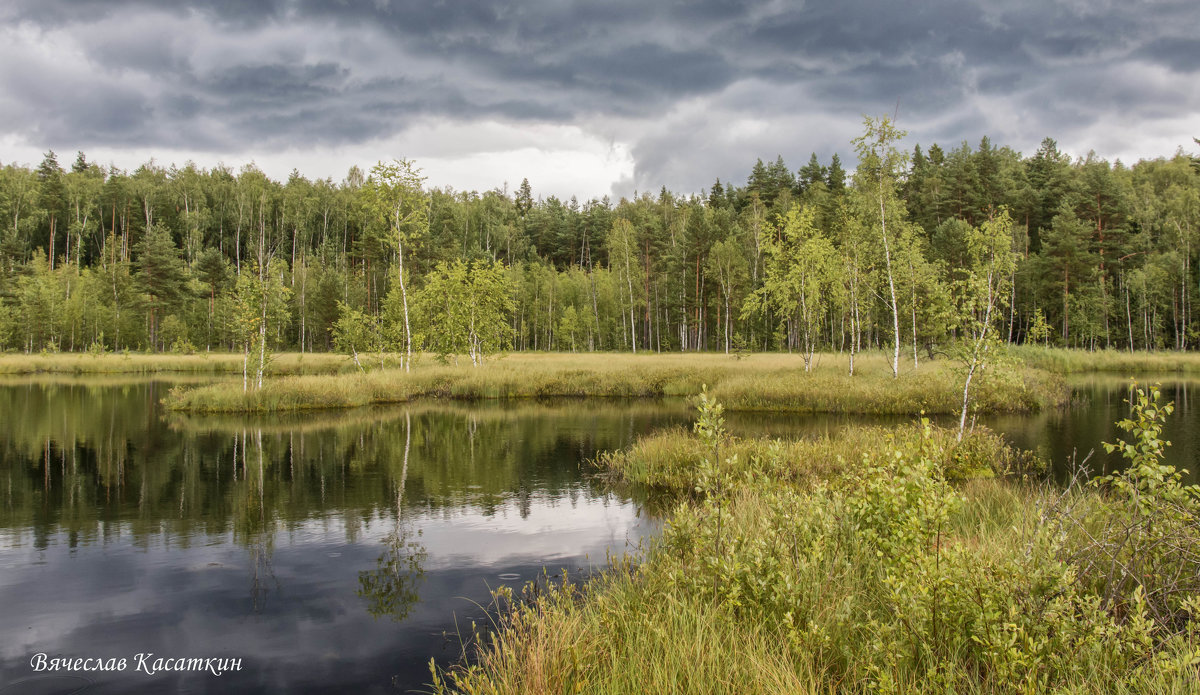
(558, 160)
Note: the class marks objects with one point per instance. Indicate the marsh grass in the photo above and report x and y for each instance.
(142, 363)
(1064, 361)
(563, 638)
(757, 382)
(847, 564)
(838, 619)
(298, 422)
(670, 459)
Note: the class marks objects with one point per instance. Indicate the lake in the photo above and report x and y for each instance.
(334, 550)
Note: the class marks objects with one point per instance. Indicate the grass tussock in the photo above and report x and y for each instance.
(671, 459)
(567, 638)
(757, 382)
(880, 577)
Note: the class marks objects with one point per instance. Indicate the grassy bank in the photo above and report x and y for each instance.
(669, 460)
(742, 384)
(141, 363)
(1063, 361)
(766, 382)
(878, 577)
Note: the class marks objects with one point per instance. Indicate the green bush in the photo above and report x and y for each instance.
(883, 576)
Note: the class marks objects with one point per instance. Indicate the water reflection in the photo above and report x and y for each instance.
(390, 588)
(1059, 437)
(328, 551)
(1075, 433)
(336, 550)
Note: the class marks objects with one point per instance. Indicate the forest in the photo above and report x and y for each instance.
(909, 251)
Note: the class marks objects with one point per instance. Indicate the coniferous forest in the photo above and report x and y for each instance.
(1090, 253)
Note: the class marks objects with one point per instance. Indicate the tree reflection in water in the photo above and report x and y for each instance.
(262, 533)
(390, 589)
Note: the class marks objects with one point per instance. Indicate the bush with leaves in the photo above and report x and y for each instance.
(1145, 540)
(889, 578)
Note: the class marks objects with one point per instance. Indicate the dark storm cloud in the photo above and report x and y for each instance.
(348, 71)
(1180, 54)
(224, 12)
(97, 115)
(277, 82)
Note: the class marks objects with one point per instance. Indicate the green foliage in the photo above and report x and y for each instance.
(96, 347)
(800, 273)
(1140, 553)
(884, 578)
(174, 333)
(1146, 479)
(260, 305)
(900, 501)
(397, 209)
(465, 308)
(160, 277)
(1039, 330)
(356, 331)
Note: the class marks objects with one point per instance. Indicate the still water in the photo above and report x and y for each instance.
(328, 551)
(334, 551)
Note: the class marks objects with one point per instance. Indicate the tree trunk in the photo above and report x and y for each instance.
(404, 301)
(887, 257)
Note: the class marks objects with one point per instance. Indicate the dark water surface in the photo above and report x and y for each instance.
(329, 551)
(336, 551)
(1064, 438)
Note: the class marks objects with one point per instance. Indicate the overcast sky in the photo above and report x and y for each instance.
(585, 98)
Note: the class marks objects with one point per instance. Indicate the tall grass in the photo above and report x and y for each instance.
(873, 366)
(573, 639)
(757, 382)
(808, 574)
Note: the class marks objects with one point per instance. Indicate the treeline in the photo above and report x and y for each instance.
(819, 258)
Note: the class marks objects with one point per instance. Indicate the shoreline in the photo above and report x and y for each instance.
(762, 382)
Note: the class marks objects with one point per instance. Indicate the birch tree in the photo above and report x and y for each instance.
(260, 302)
(398, 207)
(981, 294)
(800, 269)
(879, 165)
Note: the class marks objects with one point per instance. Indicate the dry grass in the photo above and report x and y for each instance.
(571, 640)
(1063, 361)
(758, 382)
(141, 363)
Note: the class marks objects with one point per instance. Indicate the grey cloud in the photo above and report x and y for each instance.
(627, 62)
(153, 54)
(1179, 54)
(246, 13)
(277, 82)
(96, 114)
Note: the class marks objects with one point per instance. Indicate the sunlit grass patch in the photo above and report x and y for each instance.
(757, 382)
(143, 363)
